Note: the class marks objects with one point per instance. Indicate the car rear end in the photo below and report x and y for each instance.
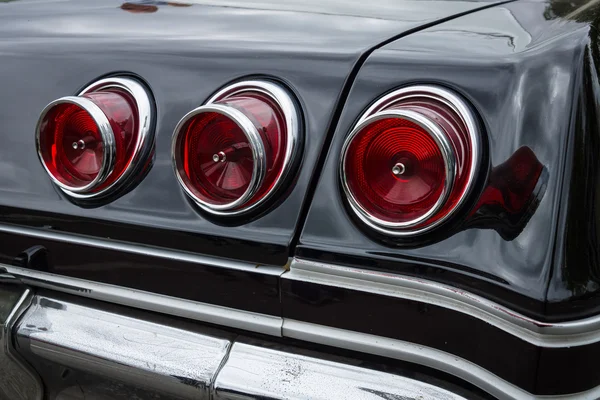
(298, 201)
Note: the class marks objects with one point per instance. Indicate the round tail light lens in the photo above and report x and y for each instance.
(411, 160)
(89, 143)
(232, 153)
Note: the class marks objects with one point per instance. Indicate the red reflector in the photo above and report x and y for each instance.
(231, 153)
(71, 145)
(217, 158)
(87, 143)
(395, 169)
(411, 160)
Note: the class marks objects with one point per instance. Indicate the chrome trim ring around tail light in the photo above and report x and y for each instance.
(449, 165)
(283, 103)
(400, 104)
(108, 143)
(143, 143)
(256, 146)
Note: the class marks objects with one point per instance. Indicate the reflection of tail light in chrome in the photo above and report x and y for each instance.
(92, 143)
(233, 152)
(411, 160)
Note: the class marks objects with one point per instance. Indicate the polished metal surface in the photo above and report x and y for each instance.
(139, 249)
(421, 355)
(152, 356)
(17, 380)
(543, 334)
(145, 135)
(250, 321)
(381, 109)
(105, 352)
(108, 142)
(448, 155)
(255, 372)
(256, 145)
(147, 355)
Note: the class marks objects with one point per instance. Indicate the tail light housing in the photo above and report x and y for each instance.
(231, 154)
(411, 160)
(93, 143)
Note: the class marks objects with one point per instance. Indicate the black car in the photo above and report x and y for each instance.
(260, 199)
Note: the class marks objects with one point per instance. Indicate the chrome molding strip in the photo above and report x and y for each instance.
(139, 249)
(254, 322)
(542, 334)
(255, 372)
(145, 355)
(421, 355)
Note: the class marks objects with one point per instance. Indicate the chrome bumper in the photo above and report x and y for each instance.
(83, 349)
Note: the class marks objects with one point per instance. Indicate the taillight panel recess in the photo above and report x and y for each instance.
(92, 144)
(411, 160)
(231, 154)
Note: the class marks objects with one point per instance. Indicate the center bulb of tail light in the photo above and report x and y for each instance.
(92, 143)
(411, 160)
(232, 153)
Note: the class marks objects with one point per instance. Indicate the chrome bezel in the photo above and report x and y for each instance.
(283, 99)
(382, 107)
(256, 145)
(144, 138)
(445, 148)
(108, 143)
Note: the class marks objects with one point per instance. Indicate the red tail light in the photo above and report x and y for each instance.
(232, 153)
(411, 160)
(89, 143)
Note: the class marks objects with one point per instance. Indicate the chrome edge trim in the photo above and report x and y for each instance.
(18, 381)
(421, 355)
(461, 108)
(108, 142)
(259, 372)
(542, 334)
(449, 165)
(291, 113)
(256, 145)
(145, 138)
(144, 354)
(140, 249)
(219, 315)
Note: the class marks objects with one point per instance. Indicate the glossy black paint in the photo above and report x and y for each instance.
(184, 54)
(245, 290)
(521, 69)
(574, 290)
